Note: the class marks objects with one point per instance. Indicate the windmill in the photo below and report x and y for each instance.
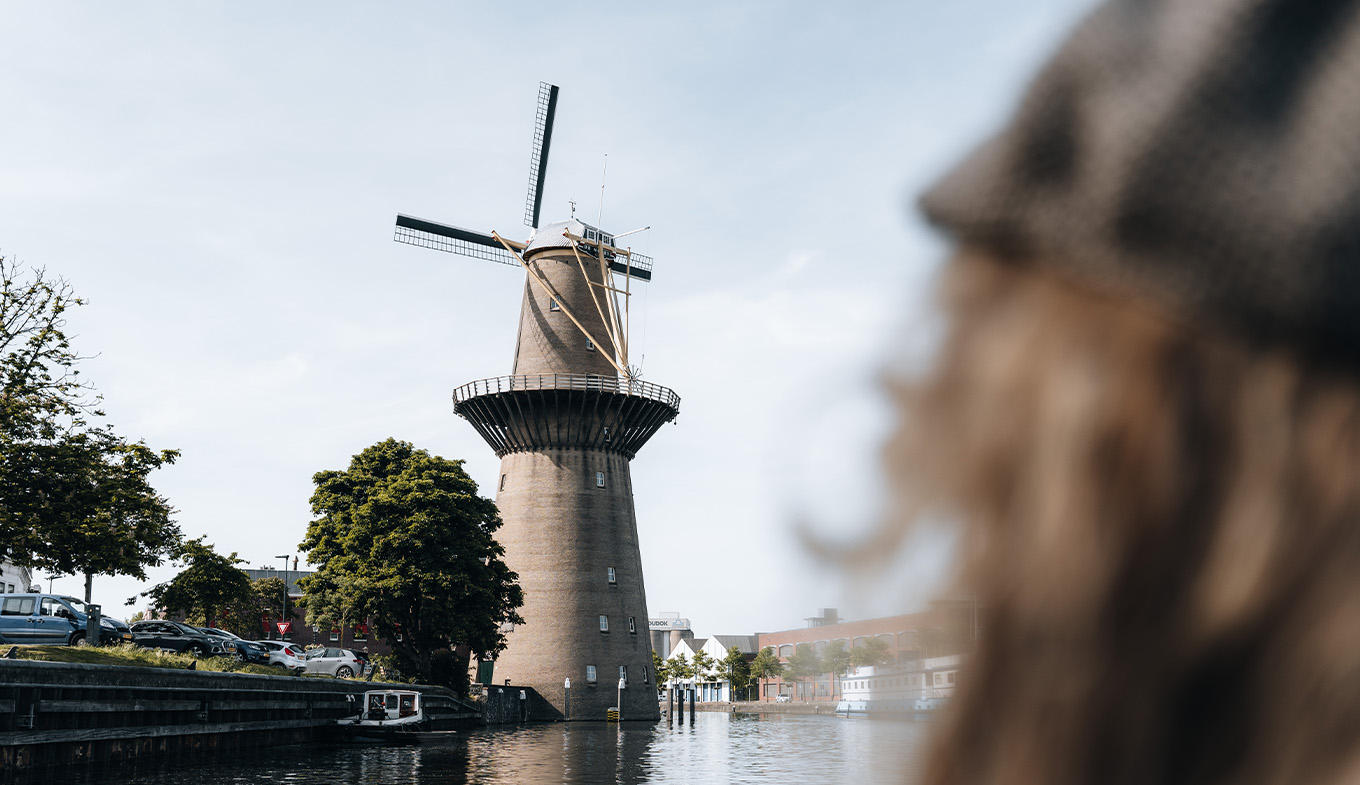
(566, 425)
(591, 247)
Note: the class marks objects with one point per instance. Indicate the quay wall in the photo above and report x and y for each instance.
(54, 714)
(761, 707)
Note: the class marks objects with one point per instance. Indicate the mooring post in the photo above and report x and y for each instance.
(691, 705)
(680, 704)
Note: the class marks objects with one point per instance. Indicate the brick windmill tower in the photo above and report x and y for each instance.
(566, 424)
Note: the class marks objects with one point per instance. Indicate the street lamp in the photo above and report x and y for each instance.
(285, 590)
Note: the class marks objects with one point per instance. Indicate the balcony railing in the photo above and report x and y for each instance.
(567, 381)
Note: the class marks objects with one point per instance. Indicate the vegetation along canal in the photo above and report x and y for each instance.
(716, 747)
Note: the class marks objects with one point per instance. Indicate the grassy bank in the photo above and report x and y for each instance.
(139, 657)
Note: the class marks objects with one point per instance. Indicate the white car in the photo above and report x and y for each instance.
(782, 699)
(340, 663)
(283, 655)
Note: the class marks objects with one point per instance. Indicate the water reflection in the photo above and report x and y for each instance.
(715, 748)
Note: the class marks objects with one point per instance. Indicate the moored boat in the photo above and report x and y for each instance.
(406, 717)
(896, 691)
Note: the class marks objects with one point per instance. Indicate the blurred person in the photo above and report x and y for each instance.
(1145, 413)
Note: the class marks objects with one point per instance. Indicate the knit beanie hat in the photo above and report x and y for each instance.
(1202, 154)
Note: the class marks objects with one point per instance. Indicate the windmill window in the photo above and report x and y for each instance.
(646, 678)
(599, 479)
(590, 345)
(502, 482)
(590, 674)
(632, 625)
(623, 674)
(604, 624)
(613, 578)
(553, 305)
(606, 434)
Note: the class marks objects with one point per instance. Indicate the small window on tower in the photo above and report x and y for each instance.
(502, 482)
(606, 434)
(632, 625)
(604, 624)
(590, 345)
(623, 674)
(613, 578)
(599, 479)
(553, 305)
(590, 674)
(645, 678)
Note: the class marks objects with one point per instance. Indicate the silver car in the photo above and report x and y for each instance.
(340, 663)
(283, 654)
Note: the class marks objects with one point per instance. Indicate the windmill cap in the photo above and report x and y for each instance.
(553, 235)
(1200, 154)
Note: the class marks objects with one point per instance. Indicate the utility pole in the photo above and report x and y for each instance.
(284, 618)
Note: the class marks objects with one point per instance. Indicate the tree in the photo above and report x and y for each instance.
(703, 665)
(735, 670)
(402, 537)
(208, 584)
(766, 665)
(245, 616)
(681, 667)
(804, 665)
(837, 660)
(874, 653)
(74, 497)
(661, 667)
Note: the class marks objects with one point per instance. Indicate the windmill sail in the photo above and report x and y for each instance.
(538, 162)
(452, 239)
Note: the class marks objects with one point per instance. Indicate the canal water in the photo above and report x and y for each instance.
(715, 748)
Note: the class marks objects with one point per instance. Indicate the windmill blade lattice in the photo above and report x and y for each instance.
(538, 161)
(452, 239)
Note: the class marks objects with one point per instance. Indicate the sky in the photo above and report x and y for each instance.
(219, 180)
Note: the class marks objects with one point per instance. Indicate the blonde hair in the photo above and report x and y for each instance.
(1162, 529)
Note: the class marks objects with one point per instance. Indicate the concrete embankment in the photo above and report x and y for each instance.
(762, 707)
(59, 713)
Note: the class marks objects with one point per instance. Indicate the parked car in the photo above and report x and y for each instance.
(781, 699)
(233, 644)
(340, 663)
(53, 619)
(176, 636)
(283, 654)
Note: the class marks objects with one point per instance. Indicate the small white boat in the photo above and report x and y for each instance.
(406, 716)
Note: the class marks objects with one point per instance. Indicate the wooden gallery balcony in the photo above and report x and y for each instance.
(576, 411)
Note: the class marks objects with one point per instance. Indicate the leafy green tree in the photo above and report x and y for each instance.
(208, 584)
(804, 665)
(661, 667)
(838, 661)
(402, 537)
(735, 670)
(703, 665)
(245, 616)
(74, 497)
(766, 665)
(681, 667)
(874, 653)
